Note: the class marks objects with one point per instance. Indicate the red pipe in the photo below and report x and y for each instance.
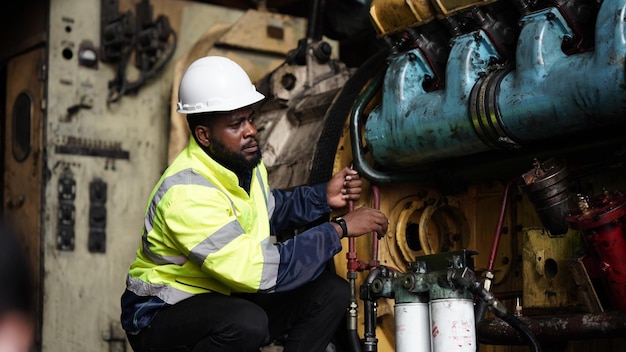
(351, 254)
(374, 261)
(498, 233)
(354, 265)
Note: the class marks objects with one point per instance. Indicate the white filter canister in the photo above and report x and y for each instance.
(453, 325)
(412, 327)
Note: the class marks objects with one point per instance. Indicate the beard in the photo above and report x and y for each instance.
(236, 162)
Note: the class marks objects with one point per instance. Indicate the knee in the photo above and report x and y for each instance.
(243, 334)
(336, 291)
(254, 329)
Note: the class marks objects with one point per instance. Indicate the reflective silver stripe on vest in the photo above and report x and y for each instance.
(168, 294)
(216, 241)
(230, 232)
(183, 177)
(271, 205)
(271, 260)
(271, 256)
(260, 180)
(270, 201)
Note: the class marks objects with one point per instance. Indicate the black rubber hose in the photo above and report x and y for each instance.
(479, 311)
(338, 112)
(498, 309)
(354, 341)
(467, 278)
(524, 330)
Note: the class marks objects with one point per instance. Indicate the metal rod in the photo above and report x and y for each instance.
(550, 329)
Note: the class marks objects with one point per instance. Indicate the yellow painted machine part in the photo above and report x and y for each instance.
(449, 7)
(409, 206)
(547, 280)
(390, 16)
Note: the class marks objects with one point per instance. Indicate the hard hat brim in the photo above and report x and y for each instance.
(223, 105)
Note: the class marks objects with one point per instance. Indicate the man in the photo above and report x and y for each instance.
(207, 276)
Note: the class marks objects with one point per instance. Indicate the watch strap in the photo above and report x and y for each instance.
(342, 223)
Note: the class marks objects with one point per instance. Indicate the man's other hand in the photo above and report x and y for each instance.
(344, 186)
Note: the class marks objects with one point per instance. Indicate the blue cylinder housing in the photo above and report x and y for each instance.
(483, 107)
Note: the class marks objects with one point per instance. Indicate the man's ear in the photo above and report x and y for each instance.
(202, 134)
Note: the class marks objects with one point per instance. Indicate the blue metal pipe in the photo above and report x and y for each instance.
(547, 94)
(550, 92)
(413, 125)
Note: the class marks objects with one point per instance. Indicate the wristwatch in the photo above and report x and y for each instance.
(342, 223)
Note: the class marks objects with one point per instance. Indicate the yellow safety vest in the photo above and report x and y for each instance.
(203, 233)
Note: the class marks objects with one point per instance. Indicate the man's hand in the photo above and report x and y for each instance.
(344, 186)
(364, 220)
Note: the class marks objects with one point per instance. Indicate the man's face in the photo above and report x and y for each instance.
(232, 140)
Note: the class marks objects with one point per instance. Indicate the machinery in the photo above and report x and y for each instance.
(488, 131)
(491, 128)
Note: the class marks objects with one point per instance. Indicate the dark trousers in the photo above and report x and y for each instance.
(307, 317)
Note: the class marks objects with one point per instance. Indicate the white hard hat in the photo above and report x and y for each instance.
(215, 83)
